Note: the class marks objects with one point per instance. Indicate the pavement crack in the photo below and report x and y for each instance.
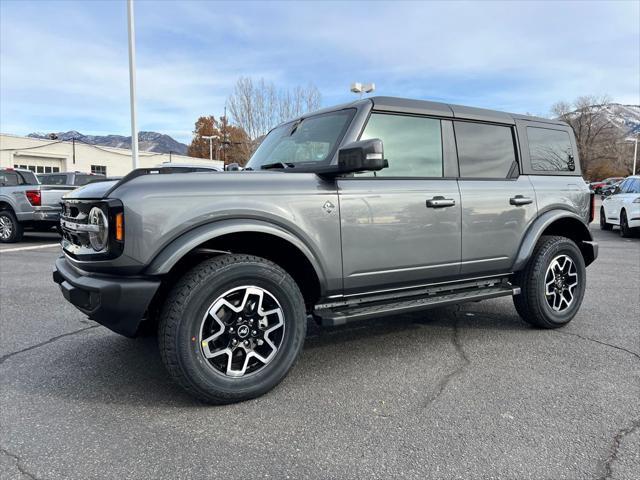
(444, 381)
(617, 440)
(46, 342)
(631, 352)
(19, 465)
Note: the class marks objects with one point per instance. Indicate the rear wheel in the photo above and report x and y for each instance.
(10, 229)
(552, 283)
(603, 221)
(625, 231)
(232, 328)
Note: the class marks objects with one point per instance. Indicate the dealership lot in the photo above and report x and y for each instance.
(451, 393)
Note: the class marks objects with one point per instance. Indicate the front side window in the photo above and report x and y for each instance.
(412, 145)
(550, 150)
(484, 151)
(307, 142)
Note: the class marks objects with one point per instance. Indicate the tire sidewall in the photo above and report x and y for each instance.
(190, 356)
(570, 249)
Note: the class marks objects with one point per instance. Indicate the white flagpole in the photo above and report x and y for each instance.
(132, 85)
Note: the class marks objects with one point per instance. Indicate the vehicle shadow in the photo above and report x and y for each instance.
(100, 367)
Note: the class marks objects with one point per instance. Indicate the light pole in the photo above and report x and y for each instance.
(361, 88)
(132, 84)
(210, 138)
(635, 156)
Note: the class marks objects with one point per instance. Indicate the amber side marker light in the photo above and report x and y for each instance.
(120, 227)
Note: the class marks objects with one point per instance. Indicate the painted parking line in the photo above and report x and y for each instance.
(18, 249)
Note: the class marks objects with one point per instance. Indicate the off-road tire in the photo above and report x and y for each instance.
(604, 225)
(16, 227)
(531, 304)
(625, 231)
(187, 303)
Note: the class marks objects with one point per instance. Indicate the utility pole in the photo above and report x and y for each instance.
(73, 140)
(132, 84)
(635, 156)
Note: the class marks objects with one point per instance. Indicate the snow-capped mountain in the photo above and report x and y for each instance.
(147, 141)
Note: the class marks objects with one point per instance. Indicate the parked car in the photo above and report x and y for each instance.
(622, 207)
(608, 189)
(379, 207)
(24, 203)
(598, 186)
(77, 179)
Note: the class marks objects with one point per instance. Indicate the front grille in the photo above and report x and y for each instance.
(75, 215)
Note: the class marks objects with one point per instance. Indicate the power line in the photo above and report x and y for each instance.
(31, 148)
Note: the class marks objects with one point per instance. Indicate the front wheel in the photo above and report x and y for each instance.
(232, 328)
(552, 284)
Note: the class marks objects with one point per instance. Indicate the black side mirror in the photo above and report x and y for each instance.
(362, 156)
(571, 163)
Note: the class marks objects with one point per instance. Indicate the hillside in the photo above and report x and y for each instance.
(147, 141)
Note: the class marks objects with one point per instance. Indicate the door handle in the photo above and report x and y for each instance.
(520, 200)
(440, 202)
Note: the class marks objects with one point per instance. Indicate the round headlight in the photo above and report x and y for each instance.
(99, 238)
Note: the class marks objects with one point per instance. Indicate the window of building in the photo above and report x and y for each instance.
(101, 169)
(412, 145)
(550, 150)
(484, 151)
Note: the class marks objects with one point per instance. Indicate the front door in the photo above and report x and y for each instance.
(401, 225)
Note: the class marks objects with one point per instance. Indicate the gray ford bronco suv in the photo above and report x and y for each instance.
(382, 206)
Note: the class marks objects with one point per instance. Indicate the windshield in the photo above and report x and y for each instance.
(312, 140)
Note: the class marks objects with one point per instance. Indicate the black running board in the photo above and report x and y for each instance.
(344, 314)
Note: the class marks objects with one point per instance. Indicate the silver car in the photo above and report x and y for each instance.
(379, 207)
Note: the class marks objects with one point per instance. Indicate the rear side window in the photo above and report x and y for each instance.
(550, 150)
(8, 179)
(630, 185)
(53, 179)
(412, 145)
(484, 151)
(28, 178)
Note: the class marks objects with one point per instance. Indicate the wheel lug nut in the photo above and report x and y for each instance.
(231, 330)
(234, 342)
(246, 342)
(254, 333)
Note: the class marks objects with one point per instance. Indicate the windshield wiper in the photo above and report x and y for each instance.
(268, 166)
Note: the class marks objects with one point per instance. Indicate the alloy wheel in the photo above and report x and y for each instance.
(561, 280)
(242, 331)
(6, 228)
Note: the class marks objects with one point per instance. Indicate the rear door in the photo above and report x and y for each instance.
(401, 226)
(498, 203)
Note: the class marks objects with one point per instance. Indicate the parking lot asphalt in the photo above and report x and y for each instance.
(469, 392)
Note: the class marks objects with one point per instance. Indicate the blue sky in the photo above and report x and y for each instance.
(64, 65)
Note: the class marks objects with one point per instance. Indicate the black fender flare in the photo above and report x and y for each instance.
(171, 254)
(579, 233)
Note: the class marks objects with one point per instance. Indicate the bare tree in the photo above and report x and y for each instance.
(600, 142)
(258, 106)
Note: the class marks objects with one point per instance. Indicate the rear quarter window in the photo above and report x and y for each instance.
(550, 150)
(8, 179)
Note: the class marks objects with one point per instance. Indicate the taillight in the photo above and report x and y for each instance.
(592, 207)
(34, 197)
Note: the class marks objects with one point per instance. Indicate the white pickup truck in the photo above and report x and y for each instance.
(24, 203)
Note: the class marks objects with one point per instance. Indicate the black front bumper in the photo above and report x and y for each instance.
(118, 303)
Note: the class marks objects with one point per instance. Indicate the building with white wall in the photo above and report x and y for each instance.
(45, 156)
